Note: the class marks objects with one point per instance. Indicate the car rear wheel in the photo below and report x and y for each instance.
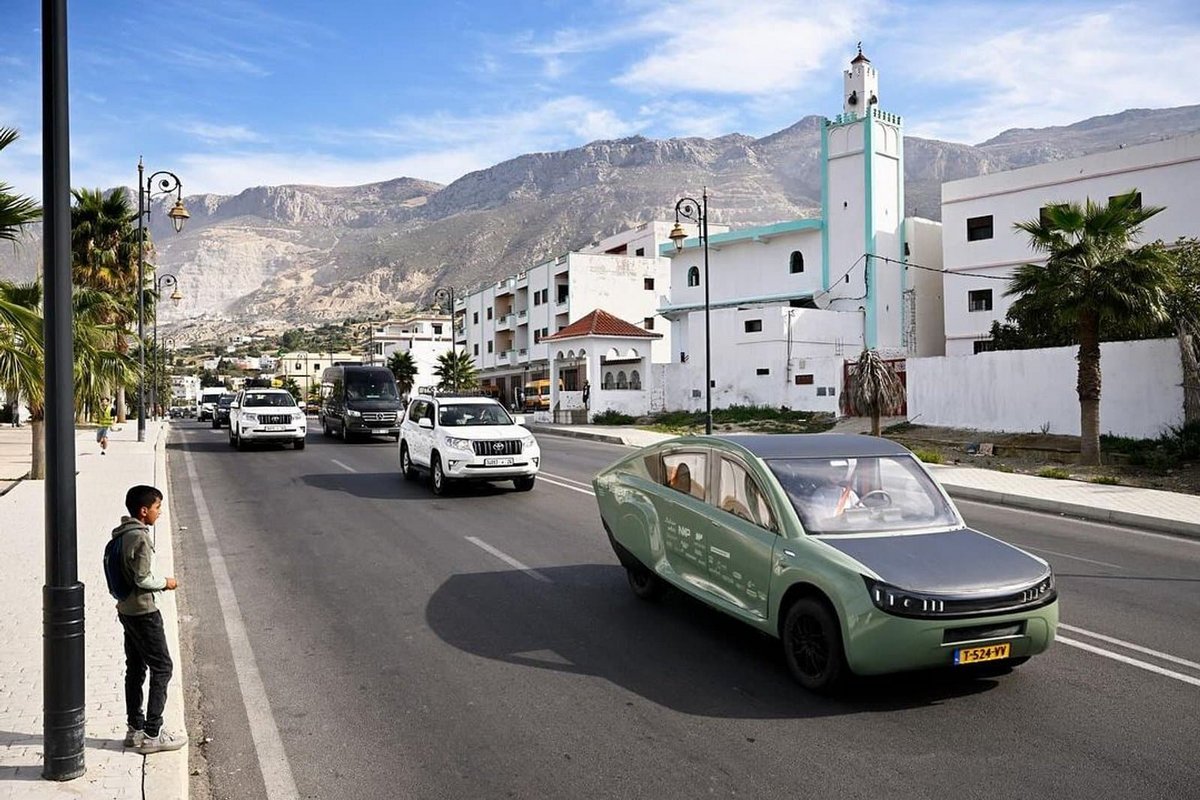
(437, 478)
(644, 583)
(524, 484)
(298, 444)
(406, 466)
(345, 431)
(325, 427)
(812, 645)
(215, 424)
(232, 438)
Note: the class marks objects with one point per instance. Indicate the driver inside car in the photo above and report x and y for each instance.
(835, 493)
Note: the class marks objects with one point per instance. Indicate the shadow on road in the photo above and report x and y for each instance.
(677, 653)
(392, 486)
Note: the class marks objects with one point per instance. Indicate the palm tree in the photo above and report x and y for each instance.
(404, 367)
(455, 371)
(15, 211)
(1094, 275)
(874, 389)
(1183, 307)
(104, 247)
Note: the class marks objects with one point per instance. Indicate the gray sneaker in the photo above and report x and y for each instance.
(134, 737)
(162, 743)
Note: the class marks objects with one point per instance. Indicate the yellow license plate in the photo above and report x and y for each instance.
(974, 655)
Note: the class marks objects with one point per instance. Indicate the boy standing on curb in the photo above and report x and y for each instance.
(145, 640)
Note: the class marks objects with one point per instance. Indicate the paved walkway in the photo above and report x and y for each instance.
(1149, 509)
(112, 772)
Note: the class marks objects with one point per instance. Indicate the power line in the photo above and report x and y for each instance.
(938, 269)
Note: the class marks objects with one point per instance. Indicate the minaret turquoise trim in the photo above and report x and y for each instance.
(902, 339)
(825, 204)
(871, 333)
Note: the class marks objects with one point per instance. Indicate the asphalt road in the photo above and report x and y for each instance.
(353, 636)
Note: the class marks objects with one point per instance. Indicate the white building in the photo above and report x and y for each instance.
(981, 245)
(504, 325)
(185, 389)
(426, 336)
(789, 303)
(305, 368)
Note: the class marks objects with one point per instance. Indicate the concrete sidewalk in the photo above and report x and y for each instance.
(112, 772)
(1148, 509)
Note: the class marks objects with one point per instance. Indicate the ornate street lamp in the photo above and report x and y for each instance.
(166, 279)
(167, 182)
(443, 296)
(697, 212)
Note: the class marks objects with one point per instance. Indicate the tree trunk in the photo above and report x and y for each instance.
(1191, 372)
(1088, 387)
(874, 423)
(37, 460)
(121, 404)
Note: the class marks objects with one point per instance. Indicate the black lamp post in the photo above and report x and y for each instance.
(166, 279)
(167, 182)
(444, 295)
(697, 212)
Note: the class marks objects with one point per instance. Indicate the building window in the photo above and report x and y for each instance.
(641, 251)
(476, 349)
(489, 312)
(804, 380)
(648, 323)
(299, 366)
(316, 367)
(635, 380)
(979, 228)
(797, 263)
(489, 347)
(475, 318)
(537, 298)
(622, 381)
(537, 336)
(753, 326)
(1137, 199)
(693, 278)
(1043, 217)
(984, 346)
(608, 381)
(437, 329)
(563, 293)
(762, 371)
(979, 300)
(648, 284)
(545, 332)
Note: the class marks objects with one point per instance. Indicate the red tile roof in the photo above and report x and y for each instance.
(602, 323)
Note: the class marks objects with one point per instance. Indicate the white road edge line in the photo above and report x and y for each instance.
(507, 559)
(1068, 555)
(1130, 646)
(1179, 676)
(268, 745)
(584, 484)
(1066, 515)
(343, 466)
(588, 492)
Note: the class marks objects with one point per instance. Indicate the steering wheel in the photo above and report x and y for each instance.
(887, 499)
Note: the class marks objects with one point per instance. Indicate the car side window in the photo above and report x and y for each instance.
(429, 413)
(414, 409)
(687, 473)
(740, 495)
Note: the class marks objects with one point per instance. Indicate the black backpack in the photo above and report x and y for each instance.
(118, 585)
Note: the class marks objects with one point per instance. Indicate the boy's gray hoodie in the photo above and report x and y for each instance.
(137, 560)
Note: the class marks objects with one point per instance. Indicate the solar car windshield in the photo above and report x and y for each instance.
(876, 494)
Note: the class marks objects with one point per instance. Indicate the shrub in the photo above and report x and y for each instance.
(1107, 480)
(1004, 468)
(1053, 472)
(611, 417)
(929, 456)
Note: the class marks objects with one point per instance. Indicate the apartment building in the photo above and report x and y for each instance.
(426, 336)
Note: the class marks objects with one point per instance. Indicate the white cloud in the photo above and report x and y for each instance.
(718, 46)
(213, 133)
(1055, 69)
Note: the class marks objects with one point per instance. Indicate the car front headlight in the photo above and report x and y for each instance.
(906, 603)
(459, 444)
(528, 441)
(350, 412)
(248, 417)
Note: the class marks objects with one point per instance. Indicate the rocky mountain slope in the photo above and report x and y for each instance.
(287, 255)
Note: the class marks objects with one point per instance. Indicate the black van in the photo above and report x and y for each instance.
(358, 399)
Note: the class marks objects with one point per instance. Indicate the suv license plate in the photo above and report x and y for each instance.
(276, 427)
(974, 655)
(497, 462)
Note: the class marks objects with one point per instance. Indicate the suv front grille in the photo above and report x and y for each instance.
(275, 419)
(499, 447)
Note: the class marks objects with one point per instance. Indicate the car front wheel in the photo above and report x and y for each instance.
(406, 466)
(644, 583)
(232, 438)
(812, 645)
(437, 478)
(298, 444)
(524, 484)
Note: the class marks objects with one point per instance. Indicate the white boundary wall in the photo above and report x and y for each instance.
(1022, 390)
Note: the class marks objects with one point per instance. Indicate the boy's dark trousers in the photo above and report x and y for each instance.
(145, 648)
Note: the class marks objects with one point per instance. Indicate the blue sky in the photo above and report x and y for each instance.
(236, 93)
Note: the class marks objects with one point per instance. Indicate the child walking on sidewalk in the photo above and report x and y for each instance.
(145, 640)
(104, 421)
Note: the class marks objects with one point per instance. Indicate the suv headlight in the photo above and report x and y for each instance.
(459, 444)
(528, 441)
(248, 417)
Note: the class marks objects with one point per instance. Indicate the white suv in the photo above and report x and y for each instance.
(459, 438)
(266, 415)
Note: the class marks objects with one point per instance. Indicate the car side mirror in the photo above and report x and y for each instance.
(426, 423)
(519, 419)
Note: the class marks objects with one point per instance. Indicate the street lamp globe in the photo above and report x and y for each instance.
(176, 296)
(178, 215)
(678, 235)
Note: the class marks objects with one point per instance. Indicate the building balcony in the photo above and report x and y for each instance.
(504, 323)
(522, 317)
(505, 286)
(504, 356)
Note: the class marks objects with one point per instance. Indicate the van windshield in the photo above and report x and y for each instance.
(370, 386)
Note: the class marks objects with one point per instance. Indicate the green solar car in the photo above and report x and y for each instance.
(842, 546)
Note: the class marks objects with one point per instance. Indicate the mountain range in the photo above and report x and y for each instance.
(283, 256)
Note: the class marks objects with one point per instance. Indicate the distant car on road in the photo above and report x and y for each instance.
(466, 438)
(208, 401)
(266, 415)
(844, 547)
(221, 409)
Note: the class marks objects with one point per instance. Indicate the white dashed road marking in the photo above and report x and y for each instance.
(343, 466)
(507, 559)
